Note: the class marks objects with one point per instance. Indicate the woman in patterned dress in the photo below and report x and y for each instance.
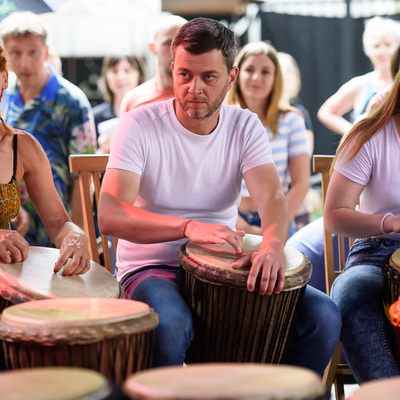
(21, 156)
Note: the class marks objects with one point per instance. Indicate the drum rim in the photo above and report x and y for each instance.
(238, 278)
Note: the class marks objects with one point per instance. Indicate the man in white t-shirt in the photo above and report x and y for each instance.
(175, 173)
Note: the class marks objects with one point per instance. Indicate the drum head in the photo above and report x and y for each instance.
(53, 383)
(75, 320)
(225, 381)
(387, 389)
(34, 279)
(212, 263)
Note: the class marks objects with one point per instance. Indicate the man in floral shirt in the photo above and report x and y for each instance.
(49, 107)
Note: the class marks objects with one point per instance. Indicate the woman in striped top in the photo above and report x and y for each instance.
(259, 88)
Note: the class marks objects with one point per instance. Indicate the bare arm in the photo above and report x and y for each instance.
(68, 237)
(299, 168)
(266, 191)
(341, 217)
(118, 217)
(340, 103)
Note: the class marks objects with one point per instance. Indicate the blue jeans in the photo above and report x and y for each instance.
(315, 335)
(253, 218)
(310, 241)
(358, 292)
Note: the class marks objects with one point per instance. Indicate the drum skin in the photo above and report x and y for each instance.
(227, 381)
(232, 324)
(34, 279)
(388, 389)
(61, 383)
(112, 336)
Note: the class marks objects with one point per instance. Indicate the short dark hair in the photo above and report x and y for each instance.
(202, 35)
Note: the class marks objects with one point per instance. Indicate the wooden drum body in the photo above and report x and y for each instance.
(232, 324)
(226, 381)
(34, 279)
(391, 271)
(112, 336)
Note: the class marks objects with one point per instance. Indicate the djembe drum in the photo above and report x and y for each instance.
(112, 336)
(61, 383)
(34, 279)
(391, 273)
(226, 381)
(230, 323)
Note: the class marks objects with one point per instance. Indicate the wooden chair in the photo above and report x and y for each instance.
(90, 169)
(336, 369)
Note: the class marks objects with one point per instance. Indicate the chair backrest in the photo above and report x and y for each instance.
(90, 169)
(335, 255)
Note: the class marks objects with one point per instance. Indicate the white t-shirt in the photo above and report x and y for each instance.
(184, 174)
(377, 167)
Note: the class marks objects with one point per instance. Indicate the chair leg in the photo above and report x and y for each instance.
(339, 387)
(330, 371)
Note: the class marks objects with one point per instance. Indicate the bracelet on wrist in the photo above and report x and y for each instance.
(185, 226)
(382, 222)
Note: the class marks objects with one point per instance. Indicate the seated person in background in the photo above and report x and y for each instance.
(175, 173)
(56, 112)
(259, 88)
(121, 72)
(366, 167)
(21, 156)
(291, 91)
(381, 38)
(160, 87)
(310, 239)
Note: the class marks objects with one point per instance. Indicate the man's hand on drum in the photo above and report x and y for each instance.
(13, 247)
(74, 247)
(270, 261)
(203, 233)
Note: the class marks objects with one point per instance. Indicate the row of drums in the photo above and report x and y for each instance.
(86, 341)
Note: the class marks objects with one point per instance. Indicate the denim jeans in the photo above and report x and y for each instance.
(358, 292)
(253, 218)
(315, 335)
(310, 241)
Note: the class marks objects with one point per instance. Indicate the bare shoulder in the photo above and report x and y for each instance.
(27, 143)
(30, 152)
(356, 84)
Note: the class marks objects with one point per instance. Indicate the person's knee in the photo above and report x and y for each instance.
(356, 290)
(320, 317)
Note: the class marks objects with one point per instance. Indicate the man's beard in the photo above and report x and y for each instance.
(211, 109)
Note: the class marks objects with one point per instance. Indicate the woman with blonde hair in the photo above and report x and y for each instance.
(259, 88)
(366, 167)
(21, 156)
(381, 38)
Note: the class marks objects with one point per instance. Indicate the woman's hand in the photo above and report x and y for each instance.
(13, 247)
(74, 247)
